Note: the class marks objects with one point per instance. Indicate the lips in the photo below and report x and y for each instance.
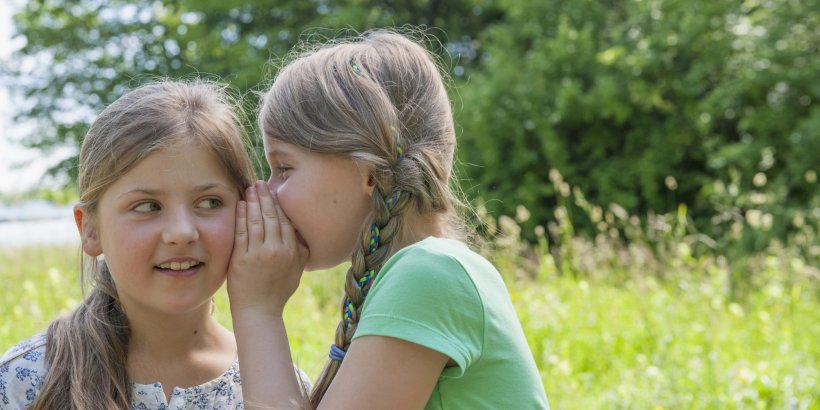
(179, 267)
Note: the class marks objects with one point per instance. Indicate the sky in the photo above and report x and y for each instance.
(12, 179)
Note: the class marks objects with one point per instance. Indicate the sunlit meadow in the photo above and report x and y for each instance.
(648, 325)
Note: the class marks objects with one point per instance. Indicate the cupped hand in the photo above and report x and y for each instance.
(267, 260)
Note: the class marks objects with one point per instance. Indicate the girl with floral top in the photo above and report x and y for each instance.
(161, 171)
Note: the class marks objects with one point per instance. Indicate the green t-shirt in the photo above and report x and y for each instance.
(439, 294)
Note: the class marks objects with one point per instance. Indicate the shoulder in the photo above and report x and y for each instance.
(445, 264)
(428, 269)
(22, 372)
(434, 256)
(426, 294)
(33, 344)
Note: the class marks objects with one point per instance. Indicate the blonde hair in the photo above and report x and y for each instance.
(88, 350)
(379, 99)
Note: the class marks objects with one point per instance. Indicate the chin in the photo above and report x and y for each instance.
(312, 266)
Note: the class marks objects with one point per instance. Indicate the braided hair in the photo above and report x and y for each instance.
(380, 100)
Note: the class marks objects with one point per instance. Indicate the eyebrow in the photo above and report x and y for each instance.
(156, 192)
(277, 152)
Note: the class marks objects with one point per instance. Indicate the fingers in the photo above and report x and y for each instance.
(270, 213)
(240, 241)
(256, 228)
(266, 222)
(287, 232)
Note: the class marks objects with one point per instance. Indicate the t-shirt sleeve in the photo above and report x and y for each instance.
(429, 299)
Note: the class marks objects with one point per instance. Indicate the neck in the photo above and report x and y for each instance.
(419, 227)
(165, 336)
(180, 350)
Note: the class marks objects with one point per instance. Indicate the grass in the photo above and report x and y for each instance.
(611, 326)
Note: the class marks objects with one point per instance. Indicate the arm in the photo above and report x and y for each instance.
(384, 373)
(264, 272)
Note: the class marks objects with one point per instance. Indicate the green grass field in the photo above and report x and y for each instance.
(607, 332)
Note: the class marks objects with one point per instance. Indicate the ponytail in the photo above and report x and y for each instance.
(87, 354)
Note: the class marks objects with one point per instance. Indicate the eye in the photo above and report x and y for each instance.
(210, 203)
(146, 207)
(282, 171)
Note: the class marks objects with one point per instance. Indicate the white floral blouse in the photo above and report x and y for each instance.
(23, 370)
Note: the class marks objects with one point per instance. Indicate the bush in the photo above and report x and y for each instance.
(650, 104)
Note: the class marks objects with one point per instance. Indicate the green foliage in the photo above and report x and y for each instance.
(644, 104)
(79, 58)
(649, 104)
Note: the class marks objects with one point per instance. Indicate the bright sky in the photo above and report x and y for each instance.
(14, 179)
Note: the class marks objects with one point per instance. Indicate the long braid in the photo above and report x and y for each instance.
(370, 254)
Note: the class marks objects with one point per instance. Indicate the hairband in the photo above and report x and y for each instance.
(356, 69)
(399, 150)
(336, 353)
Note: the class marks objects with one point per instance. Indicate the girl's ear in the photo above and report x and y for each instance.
(368, 180)
(88, 232)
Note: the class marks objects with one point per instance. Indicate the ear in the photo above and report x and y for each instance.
(367, 179)
(88, 231)
(371, 185)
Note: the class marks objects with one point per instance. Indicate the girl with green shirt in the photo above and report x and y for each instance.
(360, 139)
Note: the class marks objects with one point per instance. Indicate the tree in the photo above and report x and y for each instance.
(80, 56)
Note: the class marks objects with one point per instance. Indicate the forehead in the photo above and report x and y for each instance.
(179, 163)
(276, 147)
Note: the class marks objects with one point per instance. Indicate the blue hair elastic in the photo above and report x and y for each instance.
(336, 353)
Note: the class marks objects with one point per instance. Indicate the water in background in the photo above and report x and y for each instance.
(36, 223)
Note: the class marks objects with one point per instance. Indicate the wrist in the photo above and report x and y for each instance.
(256, 315)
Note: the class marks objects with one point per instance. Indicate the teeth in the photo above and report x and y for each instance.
(178, 265)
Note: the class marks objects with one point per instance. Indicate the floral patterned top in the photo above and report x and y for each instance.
(23, 370)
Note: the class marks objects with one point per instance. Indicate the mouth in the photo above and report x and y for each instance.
(179, 268)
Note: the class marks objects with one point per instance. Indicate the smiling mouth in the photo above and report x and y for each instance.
(178, 266)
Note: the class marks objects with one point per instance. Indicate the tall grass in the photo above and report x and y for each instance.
(638, 317)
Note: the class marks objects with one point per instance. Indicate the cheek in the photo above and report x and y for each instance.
(221, 233)
(289, 201)
(128, 240)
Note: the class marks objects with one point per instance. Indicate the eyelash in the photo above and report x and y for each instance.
(215, 203)
(217, 200)
(155, 207)
(281, 170)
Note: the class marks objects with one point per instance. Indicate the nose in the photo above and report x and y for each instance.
(275, 184)
(180, 228)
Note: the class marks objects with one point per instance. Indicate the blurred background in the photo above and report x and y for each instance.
(644, 172)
